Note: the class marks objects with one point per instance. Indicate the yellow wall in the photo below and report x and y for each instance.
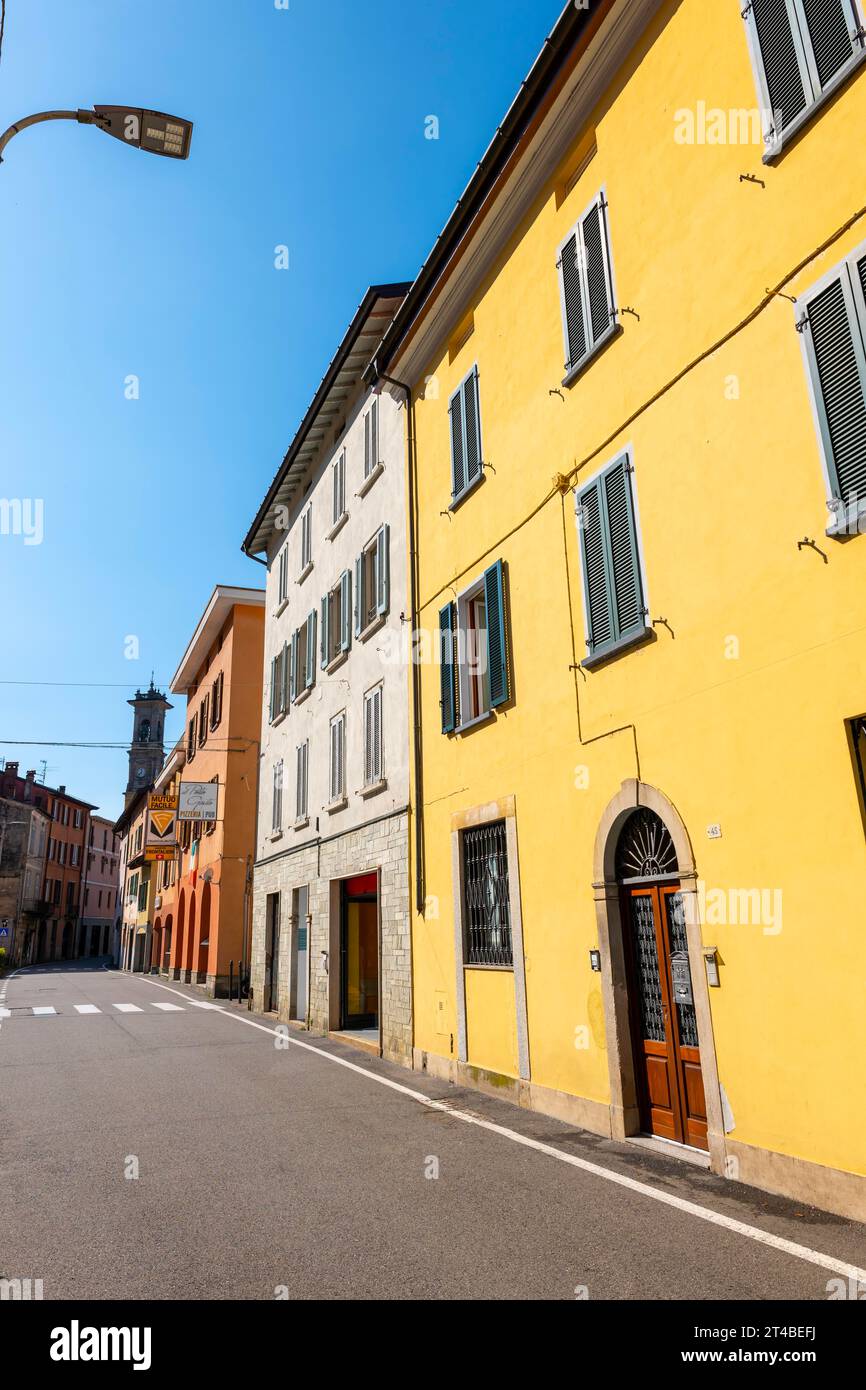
(728, 480)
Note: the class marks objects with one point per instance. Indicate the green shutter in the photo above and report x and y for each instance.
(293, 681)
(572, 302)
(627, 590)
(497, 650)
(311, 650)
(783, 59)
(599, 300)
(359, 595)
(273, 705)
(472, 426)
(458, 454)
(837, 362)
(383, 567)
(447, 668)
(611, 561)
(829, 26)
(324, 630)
(345, 610)
(284, 678)
(599, 617)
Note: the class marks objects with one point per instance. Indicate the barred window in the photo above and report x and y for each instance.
(486, 906)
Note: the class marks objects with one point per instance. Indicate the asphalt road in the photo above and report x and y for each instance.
(263, 1167)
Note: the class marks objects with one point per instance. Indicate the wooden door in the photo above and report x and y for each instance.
(664, 1027)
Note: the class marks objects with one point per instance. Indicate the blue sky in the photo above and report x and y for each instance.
(309, 132)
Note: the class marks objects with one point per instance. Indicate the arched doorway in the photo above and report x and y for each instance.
(664, 1030)
(203, 945)
(663, 1072)
(177, 963)
(166, 955)
(189, 943)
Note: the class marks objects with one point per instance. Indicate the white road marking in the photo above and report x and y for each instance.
(128, 1009)
(87, 1009)
(173, 1008)
(44, 1009)
(643, 1189)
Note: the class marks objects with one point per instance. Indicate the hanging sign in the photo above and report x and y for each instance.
(161, 838)
(198, 801)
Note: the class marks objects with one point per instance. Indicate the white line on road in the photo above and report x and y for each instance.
(715, 1218)
(87, 1009)
(170, 1008)
(128, 1009)
(45, 1009)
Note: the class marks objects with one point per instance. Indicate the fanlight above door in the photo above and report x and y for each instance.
(645, 849)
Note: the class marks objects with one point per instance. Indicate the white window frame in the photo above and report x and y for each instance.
(774, 140)
(373, 578)
(466, 659)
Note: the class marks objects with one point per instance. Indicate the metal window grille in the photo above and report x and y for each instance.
(487, 911)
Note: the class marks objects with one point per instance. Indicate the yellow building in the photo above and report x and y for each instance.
(638, 843)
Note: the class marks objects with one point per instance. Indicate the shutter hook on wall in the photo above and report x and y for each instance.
(752, 178)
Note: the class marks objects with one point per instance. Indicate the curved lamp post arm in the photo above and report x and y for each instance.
(83, 118)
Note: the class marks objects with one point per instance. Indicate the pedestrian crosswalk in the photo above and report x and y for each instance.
(47, 1010)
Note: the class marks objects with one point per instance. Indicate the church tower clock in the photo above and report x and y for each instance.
(147, 752)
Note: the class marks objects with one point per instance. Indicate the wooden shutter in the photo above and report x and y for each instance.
(829, 25)
(311, 650)
(497, 650)
(571, 288)
(837, 361)
(597, 269)
(777, 40)
(447, 668)
(472, 426)
(368, 740)
(284, 678)
(378, 761)
(374, 434)
(593, 549)
(293, 679)
(359, 595)
(458, 455)
(368, 446)
(325, 623)
(383, 565)
(611, 562)
(345, 610)
(628, 609)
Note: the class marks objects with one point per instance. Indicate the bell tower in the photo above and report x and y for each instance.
(146, 752)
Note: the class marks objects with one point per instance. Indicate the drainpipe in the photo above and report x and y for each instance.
(420, 891)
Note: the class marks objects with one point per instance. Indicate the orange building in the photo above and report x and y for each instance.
(203, 922)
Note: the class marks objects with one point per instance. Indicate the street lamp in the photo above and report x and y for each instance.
(154, 131)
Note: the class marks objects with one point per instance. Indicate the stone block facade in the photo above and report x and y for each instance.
(319, 867)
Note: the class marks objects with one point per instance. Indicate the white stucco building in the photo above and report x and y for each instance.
(331, 937)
